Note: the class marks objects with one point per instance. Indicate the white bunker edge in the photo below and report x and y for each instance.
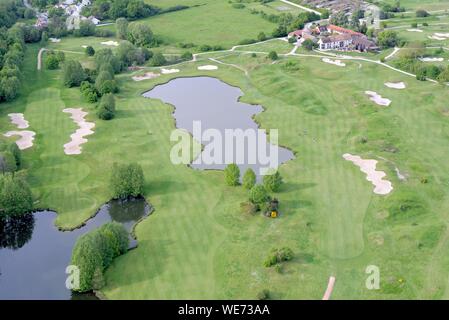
(146, 76)
(110, 43)
(368, 166)
(26, 138)
(378, 99)
(18, 119)
(85, 129)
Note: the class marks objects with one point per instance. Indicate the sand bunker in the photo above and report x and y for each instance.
(54, 40)
(431, 59)
(208, 67)
(368, 167)
(375, 97)
(414, 30)
(436, 38)
(85, 129)
(26, 138)
(335, 62)
(146, 76)
(442, 35)
(84, 46)
(395, 85)
(19, 120)
(169, 71)
(110, 43)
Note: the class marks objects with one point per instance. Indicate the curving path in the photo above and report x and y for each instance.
(301, 7)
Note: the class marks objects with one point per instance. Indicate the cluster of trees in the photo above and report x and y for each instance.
(259, 194)
(127, 181)
(287, 22)
(131, 9)
(54, 59)
(138, 33)
(409, 61)
(43, 3)
(387, 39)
(94, 252)
(352, 22)
(10, 12)
(15, 194)
(12, 51)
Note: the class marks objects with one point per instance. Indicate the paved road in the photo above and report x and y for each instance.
(301, 7)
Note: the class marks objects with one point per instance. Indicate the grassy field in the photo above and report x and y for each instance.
(198, 244)
(431, 5)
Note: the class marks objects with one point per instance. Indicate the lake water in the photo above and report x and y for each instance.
(34, 253)
(216, 105)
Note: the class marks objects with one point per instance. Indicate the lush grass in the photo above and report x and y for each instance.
(198, 244)
(277, 45)
(421, 4)
(211, 22)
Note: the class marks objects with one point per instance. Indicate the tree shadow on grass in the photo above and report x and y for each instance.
(290, 186)
(162, 187)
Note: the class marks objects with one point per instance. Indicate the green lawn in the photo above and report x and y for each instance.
(430, 5)
(198, 245)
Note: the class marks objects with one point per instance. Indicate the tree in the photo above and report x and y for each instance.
(249, 179)
(127, 180)
(187, 56)
(15, 151)
(90, 51)
(106, 108)
(262, 36)
(7, 162)
(258, 195)
(387, 39)
(273, 182)
(339, 19)
(273, 55)
(308, 44)
(73, 73)
(29, 14)
(158, 60)
(52, 62)
(232, 174)
(9, 88)
(140, 34)
(15, 196)
(121, 25)
(87, 28)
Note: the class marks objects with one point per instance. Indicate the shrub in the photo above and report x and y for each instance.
(187, 56)
(273, 182)
(52, 62)
(263, 295)
(273, 55)
(258, 195)
(249, 179)
(421, 13)
(90, 51)
(15, 151)
(262, 36)
(127, 180)
(309, 45)
(15, 196)
(158, 60)
(232, 175)
(278, 256)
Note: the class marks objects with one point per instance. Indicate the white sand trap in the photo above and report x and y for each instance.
(85, 129)
(442, 35)
(169, 71)
(395, 85)
(436, 38)
(84, 46)
(368, 167)
(208, 67)
(54, 40)
(427, 59)
(110, 43)
(19, 120)
(26, 138)
(375, 97)
(146, 76)
(414, 30)
(335, 62)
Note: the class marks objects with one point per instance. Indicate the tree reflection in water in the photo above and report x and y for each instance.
(15, 232)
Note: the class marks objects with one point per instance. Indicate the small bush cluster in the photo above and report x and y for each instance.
(278, 256)
(127, 180)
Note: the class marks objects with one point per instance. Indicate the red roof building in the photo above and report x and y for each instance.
(297, 34)
(340, 30)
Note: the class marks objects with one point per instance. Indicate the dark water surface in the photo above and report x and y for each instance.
(34, 254)
(216, 105)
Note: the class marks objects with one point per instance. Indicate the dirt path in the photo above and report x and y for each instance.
(330, 288)
(391, 55)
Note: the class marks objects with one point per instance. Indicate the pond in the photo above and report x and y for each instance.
(216, 105)
(34, 254)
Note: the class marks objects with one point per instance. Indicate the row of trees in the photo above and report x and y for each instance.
(94, 252)
(287, 22)
(131, 9)
(15, 194)
(10, 12)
